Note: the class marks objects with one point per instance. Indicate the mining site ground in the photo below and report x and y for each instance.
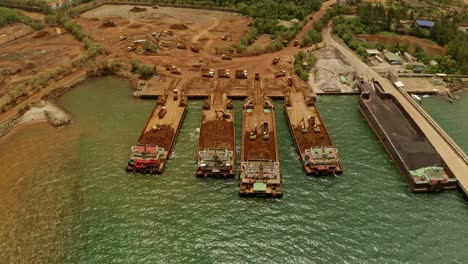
(46, 51)
(32, 53)
(202, 28)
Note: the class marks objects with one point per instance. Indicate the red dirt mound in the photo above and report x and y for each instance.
(178, 26)
(259, 148)
(138, 9)
(161, 137)
(217, 134)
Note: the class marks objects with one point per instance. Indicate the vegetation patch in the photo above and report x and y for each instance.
(11, 16)
(303, 63)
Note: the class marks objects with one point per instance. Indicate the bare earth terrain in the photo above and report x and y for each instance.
(39, 52)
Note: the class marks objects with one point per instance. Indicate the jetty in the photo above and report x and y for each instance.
(260, 166)
(158, 137)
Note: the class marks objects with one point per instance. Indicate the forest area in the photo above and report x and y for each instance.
(373, 19)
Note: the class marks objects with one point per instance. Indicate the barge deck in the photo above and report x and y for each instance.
(216, 146)
(313, 143)
(158, 137)
(260, 166)
(419, 163)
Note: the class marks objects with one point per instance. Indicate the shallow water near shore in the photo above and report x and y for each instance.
(452, 117)
(69, 200)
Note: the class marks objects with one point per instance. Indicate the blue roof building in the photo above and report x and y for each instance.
(425, 23)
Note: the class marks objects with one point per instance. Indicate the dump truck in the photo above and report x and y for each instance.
(257, 76)
(226, 57)
(131, 48)
(280, 73)
(241, 74)
(275, 60)
(108, 23)
(181, 46)
(224, 74)
(175, 70)
(207, 73)
(168, 32)
(162, 112)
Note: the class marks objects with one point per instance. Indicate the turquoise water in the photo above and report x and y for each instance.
(88, 210)
(452, 117)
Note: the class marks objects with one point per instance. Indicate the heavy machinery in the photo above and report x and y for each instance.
(241, 74)
(276, 60)
(224, 73)
(280, 73)
(226, 57)
(207, 73)
(226, 37)
(266, 133)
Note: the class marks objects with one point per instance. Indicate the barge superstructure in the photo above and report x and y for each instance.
(419, 163)
(260, 166)
(158, 137)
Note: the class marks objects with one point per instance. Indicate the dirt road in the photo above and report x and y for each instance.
(316, 17)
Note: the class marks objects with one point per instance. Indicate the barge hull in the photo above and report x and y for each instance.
(405, 162)
(161, 131)
(297, 111)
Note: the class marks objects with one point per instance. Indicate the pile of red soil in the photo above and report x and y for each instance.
(259, 148)
(217, 134)
(311, 138)
(162, 137)
(178, 26)
(138, 9)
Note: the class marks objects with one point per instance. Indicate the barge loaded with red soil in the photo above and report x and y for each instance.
(313, 143)
(158, 137)
(216, 147)
(260, 166)
(419, 163)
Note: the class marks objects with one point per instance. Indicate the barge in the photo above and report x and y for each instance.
(260, 167)
(313, 143)
(216, 146)
(418, 162)
(154, 146)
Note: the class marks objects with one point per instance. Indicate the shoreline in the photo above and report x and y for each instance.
(50, 109)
